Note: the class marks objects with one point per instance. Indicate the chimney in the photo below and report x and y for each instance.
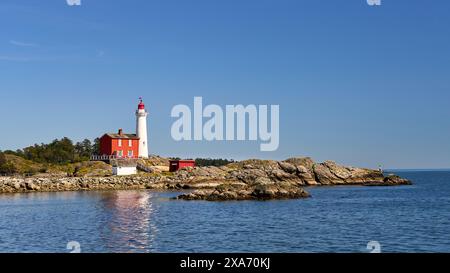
(120, 132)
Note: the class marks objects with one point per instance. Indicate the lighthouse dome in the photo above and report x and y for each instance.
(141, 105)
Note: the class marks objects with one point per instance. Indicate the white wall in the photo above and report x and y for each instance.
(124, 170)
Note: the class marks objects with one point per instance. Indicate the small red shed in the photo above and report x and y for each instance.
(176, 165)
(119, 145)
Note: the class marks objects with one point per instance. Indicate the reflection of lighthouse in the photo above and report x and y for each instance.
(131, 224)
(141, 129)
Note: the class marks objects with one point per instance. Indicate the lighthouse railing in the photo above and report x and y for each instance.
(110, 157)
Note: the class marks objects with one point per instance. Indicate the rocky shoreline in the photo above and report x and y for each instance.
(245, 180)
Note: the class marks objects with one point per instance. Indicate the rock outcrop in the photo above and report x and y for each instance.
(245, 180)
(281, 179)
(256, 192)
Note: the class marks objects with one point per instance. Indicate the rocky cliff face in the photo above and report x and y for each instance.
(246, 180)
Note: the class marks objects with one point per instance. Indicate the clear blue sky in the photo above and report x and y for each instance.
(357, 84)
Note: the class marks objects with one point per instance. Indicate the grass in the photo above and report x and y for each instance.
(86, 168)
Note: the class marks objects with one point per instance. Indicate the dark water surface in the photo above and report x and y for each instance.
(336, 219)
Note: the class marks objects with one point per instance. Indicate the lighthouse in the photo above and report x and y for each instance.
(141, 129)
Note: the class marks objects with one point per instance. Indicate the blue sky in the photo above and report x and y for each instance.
(357, 84)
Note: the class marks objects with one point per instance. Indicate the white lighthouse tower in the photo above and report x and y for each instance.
(141, 129)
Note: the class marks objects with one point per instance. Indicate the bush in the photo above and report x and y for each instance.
(205, 162)
(2, 159)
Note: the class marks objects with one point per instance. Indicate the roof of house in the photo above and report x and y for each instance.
(122, 136)
(182, 161)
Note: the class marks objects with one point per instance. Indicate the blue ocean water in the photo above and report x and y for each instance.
(336, 219)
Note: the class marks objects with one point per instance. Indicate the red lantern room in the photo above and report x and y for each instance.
(141, 105)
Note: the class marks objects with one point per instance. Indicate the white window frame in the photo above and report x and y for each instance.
(130, 153)
(120, 153)
(120, 143)
(130, 143)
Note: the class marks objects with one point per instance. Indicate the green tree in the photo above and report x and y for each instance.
(96, 147)
(60, 151)
(83, 150)
(87, 146)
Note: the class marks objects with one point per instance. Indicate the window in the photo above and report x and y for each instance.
(130, 143)
(120, 153)
(130, 153)
(120, 143)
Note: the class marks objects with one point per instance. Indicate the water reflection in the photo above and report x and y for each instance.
(130, 226)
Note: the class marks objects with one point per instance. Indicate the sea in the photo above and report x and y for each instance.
(339, 219)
